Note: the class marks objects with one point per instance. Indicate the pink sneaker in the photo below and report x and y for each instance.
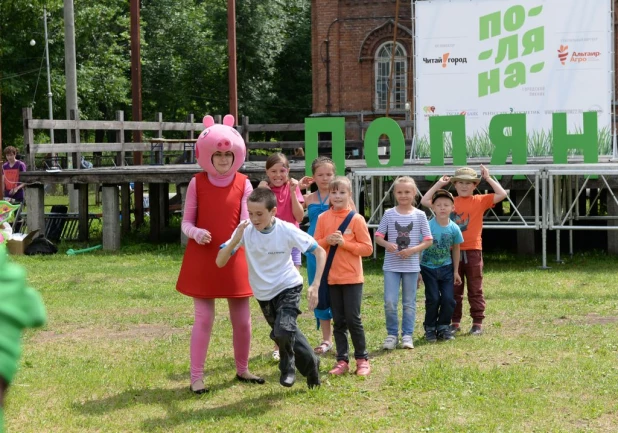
(340, 368)
(362, 367)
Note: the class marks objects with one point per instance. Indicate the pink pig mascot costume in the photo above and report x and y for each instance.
(216, 202)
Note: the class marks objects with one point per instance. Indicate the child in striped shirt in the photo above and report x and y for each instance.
(408, 233)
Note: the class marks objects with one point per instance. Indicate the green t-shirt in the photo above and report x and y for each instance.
(20, 307)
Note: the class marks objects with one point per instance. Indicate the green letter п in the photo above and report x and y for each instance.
(390, 128)
(334, 125)
(438, 125)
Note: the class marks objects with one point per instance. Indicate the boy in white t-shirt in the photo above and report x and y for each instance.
(275, 281)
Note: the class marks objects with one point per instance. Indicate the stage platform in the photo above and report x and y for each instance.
(542, 195)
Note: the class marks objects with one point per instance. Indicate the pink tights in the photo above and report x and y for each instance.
(240, 316)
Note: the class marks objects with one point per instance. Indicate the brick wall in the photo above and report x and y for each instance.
(346, 24)
(339, 29)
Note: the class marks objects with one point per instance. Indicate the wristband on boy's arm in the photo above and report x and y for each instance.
(225, 244)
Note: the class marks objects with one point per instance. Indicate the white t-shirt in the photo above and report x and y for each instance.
(269, 258)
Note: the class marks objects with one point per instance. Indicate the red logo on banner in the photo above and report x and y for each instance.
(563, 53)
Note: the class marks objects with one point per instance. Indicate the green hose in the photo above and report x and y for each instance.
(72, 252)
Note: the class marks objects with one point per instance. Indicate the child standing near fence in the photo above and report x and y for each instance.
(344, 235)
(440, 268)
(404, 233)
(468, 215)
(13, 188)
(216, 202)
(289, 201)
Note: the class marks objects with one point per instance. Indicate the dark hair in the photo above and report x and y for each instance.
(442, 193)
(265, 196)
(322, 160)
(277, 158)
(10, 150)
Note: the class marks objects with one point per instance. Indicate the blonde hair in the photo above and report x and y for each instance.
(407, 180)
(340, 182)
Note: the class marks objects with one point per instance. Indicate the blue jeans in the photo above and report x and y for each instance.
(409, 281)
(439, 298)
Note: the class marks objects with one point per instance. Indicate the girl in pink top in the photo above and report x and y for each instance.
(289, 200)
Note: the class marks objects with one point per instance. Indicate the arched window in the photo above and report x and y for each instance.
(398, 91)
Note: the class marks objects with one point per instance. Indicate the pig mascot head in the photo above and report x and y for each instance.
(219, 138)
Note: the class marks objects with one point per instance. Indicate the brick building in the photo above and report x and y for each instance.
(352, 42)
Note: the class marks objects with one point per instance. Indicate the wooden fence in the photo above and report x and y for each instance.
(158, 127)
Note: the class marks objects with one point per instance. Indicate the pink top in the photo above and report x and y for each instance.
(190, 211)
(284, 202)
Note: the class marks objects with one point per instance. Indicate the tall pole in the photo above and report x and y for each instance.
(136, 98)
(70, 71)
(231, 48)
(69, 57)
(49, 92)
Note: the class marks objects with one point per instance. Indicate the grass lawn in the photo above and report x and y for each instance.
(114, 357)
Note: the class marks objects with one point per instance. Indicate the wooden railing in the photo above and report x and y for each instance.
(121, 146)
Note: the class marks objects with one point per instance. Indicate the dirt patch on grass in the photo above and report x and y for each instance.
(605, 423)
(596, 319)
(588, 319)
(143, 332)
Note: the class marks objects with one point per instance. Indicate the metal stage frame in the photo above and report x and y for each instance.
(555, 189)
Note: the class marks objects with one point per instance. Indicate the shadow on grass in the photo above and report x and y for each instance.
(169, 399)
(243, 410)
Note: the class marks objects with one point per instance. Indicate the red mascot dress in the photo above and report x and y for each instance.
(216, 202)
(199, 275)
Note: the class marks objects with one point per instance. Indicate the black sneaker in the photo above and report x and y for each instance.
(431, 336)
(446, 335)
(454, 329)
(476, 330)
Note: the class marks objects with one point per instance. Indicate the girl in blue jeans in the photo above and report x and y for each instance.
(404, 233)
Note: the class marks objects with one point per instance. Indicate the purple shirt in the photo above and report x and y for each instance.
(11, 179)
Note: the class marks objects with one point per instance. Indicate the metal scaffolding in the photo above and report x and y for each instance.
(556, 190)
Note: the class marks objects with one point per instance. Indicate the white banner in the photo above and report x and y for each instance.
(481, 58)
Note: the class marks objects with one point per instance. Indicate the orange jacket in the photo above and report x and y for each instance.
(347, 267)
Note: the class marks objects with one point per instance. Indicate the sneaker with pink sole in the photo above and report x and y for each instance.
(362, 367)
(340, 368)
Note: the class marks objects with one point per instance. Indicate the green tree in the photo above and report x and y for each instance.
(292, 80)
(22, 67)
(102, 56)
(184, 60)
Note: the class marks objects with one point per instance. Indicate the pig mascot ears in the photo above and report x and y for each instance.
(219, 138)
